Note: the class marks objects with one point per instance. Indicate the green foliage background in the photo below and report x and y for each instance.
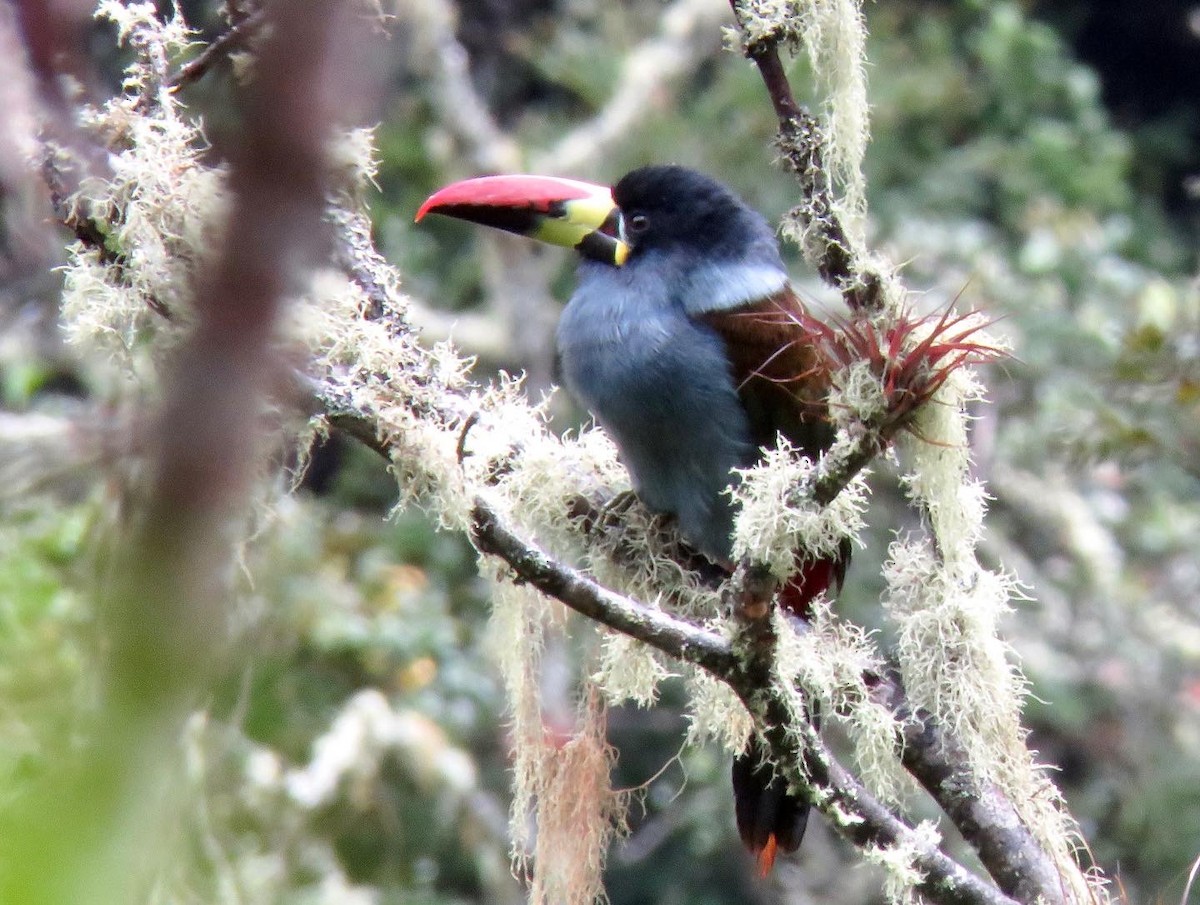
(995, 171)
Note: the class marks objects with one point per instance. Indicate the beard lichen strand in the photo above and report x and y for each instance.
(834, 36)
(947, 606)
(899, 862)
(947, 609)
(564, 811)
(831, 660)
(579, 813)
(774, 521)
(628, 670)
(517, 637)
(715, 712)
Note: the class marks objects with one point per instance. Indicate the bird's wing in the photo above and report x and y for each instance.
(783, 383)
(781, 378)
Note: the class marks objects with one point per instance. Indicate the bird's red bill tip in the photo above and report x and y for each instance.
(518, 191)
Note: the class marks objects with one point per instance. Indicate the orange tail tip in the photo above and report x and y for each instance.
(765, 856)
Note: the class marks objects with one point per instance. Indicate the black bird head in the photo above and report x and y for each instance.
(655, 208)
(672, 208)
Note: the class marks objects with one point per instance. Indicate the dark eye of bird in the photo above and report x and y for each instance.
(637, 224)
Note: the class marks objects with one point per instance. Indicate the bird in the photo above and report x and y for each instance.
(686, 342)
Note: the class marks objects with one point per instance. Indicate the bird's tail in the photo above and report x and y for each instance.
(769, 820)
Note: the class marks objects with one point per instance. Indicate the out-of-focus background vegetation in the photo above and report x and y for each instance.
(1037, 160)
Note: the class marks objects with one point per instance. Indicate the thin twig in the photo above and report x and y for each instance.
(232, 39)
(801, 141)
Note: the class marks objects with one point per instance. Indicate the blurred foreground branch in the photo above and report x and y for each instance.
(166, 604)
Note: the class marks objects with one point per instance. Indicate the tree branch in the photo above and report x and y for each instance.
(234, 38)
(809, 765)
(980, 810)
(663, 632)
(801, 140)
(164, 610)
(800, 753)
(857, 815)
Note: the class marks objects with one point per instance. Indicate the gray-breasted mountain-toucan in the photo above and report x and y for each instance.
(686, 342)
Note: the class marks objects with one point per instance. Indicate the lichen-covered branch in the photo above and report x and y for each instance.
(983, 814)
(980, 810)
(928, 753)
(945, 604)
(856, 814)
(672, 636)
(802, 143)
(802, 755)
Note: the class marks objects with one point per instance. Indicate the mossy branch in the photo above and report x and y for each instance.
(674, 637)
(982, 812)
(801, 141)
(1006, 848)
(803, 757)
(800, 754)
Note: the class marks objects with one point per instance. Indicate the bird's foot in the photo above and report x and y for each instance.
(605, 516)
(618, 507)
